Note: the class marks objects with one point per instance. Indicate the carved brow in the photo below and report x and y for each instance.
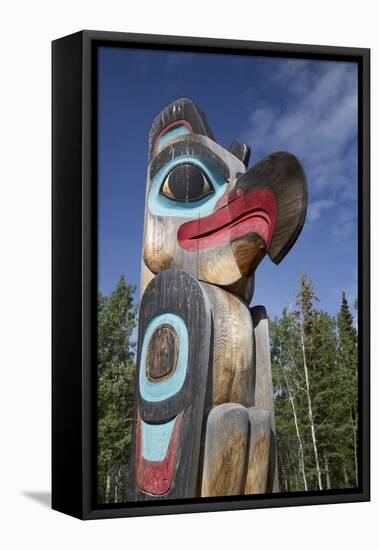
(188, 145)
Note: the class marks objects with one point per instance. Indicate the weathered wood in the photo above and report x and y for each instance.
(263, 386)
(263, 379)
(165, 456)
(162, 249)
(241, 151)
(201, 147)
(226, 446)
(259, 451)
(248, 252)
(162, 353)
(184, 111)
(204, 420)
(244, 288)
(233, 346)
(156, 477)
(283, 174)
(146, 277)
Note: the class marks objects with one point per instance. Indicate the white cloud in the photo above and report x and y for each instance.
(344, 223)
(315, 118)
(316, 208)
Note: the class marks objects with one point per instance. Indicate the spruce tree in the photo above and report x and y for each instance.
(348, 373)
(314, 363)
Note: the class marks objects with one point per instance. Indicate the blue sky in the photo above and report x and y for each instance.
(308, 108)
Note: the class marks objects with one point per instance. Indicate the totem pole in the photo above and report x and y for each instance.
(203, 416)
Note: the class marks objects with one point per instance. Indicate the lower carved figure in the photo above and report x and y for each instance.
(204, 422)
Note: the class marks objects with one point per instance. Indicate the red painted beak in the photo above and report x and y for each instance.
(239, 215)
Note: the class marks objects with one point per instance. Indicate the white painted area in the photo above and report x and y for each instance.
(26, 31)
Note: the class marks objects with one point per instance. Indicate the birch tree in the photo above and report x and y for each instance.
(314, 357)
(283, 362)
(305, 315)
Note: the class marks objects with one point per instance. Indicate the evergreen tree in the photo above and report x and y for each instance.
(348, 361)
(288, 406)
(314, 365)
(314, 362)
(115, 387)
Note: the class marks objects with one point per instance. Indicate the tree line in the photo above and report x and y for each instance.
(315, 377)
(314, 362)
(117, 320)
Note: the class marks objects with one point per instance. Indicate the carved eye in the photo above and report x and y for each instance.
(186, 183)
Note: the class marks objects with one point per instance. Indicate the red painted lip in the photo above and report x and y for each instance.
(254, 212)
(156, 477)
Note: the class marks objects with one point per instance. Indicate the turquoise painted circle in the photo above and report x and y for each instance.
(155, 391)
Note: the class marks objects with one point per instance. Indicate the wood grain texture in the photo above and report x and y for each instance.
(146, 276)
(259, 451)
(243, 288)
(226, 444)
(208, 224)
(162, 353)
(241, 151)
(155, 478)
(263, 378)
(181, 109)
(248, 252)
(179, 293)
(161, 249)
(264, 397)
(283, 174)
(233, 346)
(226, 164)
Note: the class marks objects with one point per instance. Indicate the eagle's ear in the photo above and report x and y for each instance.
(179, 118)
(241, 151)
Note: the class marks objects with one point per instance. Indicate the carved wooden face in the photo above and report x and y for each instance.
(205, 214)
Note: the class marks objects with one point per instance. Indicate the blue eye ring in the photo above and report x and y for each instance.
(161, 205)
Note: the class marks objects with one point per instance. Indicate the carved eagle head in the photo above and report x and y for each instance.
(209, 215)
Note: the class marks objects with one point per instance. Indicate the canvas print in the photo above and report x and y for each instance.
(227, 334)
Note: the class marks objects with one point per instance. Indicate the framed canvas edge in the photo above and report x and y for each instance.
(283, 49)
(90, 40)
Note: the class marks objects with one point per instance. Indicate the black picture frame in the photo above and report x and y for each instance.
(74, 272)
